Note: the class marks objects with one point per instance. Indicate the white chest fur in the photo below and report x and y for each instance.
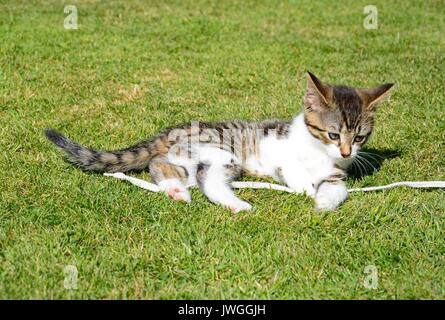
(299, 152)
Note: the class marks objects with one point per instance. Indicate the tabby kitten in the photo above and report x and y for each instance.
(309, 154)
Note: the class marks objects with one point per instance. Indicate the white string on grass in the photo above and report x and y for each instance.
(264, 185)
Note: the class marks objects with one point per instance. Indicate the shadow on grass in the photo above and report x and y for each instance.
(370, 160)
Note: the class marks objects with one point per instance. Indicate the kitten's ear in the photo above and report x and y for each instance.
(318, 95)
(371, 97)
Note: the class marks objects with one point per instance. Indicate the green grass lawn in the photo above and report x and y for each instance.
(134, 67)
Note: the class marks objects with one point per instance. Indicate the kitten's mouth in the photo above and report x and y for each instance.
(345, 160)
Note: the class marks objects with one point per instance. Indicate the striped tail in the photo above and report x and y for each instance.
(133, 158)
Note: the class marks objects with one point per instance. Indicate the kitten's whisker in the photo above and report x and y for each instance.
(359, 166)
(367, 162)
(372, 155)
(365, 165)
(368, 165)
(354, 166)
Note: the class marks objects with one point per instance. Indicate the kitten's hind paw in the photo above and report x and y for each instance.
(175, 190)
(239, 206)
(179, 194)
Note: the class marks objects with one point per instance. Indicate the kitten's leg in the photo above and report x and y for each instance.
(214, 178)
(298, 178)
(330, 195)
(170, 178)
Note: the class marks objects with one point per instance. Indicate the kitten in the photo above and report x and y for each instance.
(310, 154)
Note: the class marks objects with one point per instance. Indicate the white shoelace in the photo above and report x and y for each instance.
(264, 185)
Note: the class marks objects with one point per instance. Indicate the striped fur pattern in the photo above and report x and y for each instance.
(238, 137)
(309, 153)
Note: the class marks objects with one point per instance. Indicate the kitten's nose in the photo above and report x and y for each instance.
(345, 151)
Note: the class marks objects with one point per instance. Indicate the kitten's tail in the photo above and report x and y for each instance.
(133, 158)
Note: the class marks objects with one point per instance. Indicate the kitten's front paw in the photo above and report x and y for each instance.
(329, 196)
(324, 203)
(308, 189)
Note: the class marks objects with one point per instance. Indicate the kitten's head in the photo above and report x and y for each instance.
(341, 117)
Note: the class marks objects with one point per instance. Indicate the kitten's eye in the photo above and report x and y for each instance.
(333, 136)
(359, 139)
